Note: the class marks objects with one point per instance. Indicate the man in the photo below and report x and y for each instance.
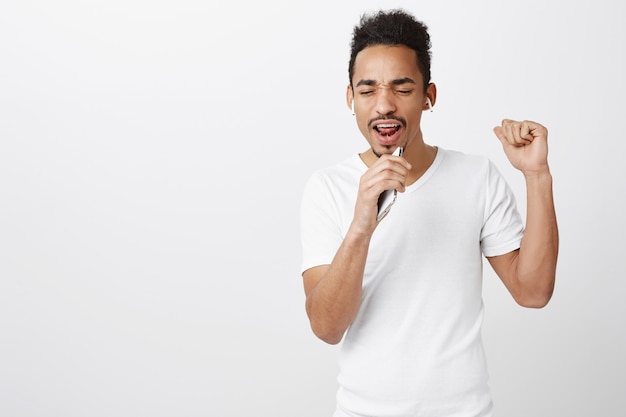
(403, 293)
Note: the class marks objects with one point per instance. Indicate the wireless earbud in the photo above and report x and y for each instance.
(353, 107)
(430, 105)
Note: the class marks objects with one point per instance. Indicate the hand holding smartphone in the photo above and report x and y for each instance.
(387, 197)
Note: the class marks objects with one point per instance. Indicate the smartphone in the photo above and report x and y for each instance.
(388, 197)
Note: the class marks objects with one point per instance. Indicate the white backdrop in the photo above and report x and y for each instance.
(152, 156)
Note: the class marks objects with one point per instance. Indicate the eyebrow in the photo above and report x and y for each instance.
(398, 81)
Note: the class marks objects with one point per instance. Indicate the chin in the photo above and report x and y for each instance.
(381, 150)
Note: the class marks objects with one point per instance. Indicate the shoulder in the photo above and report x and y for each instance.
(469, 164)
(460, 157)
(339, 174)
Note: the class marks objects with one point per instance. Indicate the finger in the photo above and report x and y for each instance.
(499, 133)
(397, 159)
(393, 163)
(513, 132)
(505, 135)
(508, 128)
(536, 130)
(393, 177)
(376, 185)
(512, 129)
(506, 131)
(525, 132)
(516, 130)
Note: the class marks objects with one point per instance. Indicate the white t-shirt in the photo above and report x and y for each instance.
(415, 347)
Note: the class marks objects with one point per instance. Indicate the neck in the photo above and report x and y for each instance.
(421, 157)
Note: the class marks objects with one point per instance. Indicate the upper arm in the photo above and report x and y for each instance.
(505, 267)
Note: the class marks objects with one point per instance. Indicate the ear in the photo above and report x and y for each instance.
(350, 97)
(431, 94)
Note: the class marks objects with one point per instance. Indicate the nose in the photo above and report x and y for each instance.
(385, 102)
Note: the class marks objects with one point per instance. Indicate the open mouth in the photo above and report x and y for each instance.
(387, 129)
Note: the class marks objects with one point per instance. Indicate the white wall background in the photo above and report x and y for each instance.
(152, 155)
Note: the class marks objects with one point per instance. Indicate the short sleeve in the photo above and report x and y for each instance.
(319, 225)
(502, 229)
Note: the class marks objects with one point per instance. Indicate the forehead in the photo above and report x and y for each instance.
(384, 63)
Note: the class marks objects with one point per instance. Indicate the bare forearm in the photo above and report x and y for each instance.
(334, 301)
(536, 266)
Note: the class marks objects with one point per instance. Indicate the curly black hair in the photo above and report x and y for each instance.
(393, 27)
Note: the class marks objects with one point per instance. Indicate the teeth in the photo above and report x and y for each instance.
(385, 125)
